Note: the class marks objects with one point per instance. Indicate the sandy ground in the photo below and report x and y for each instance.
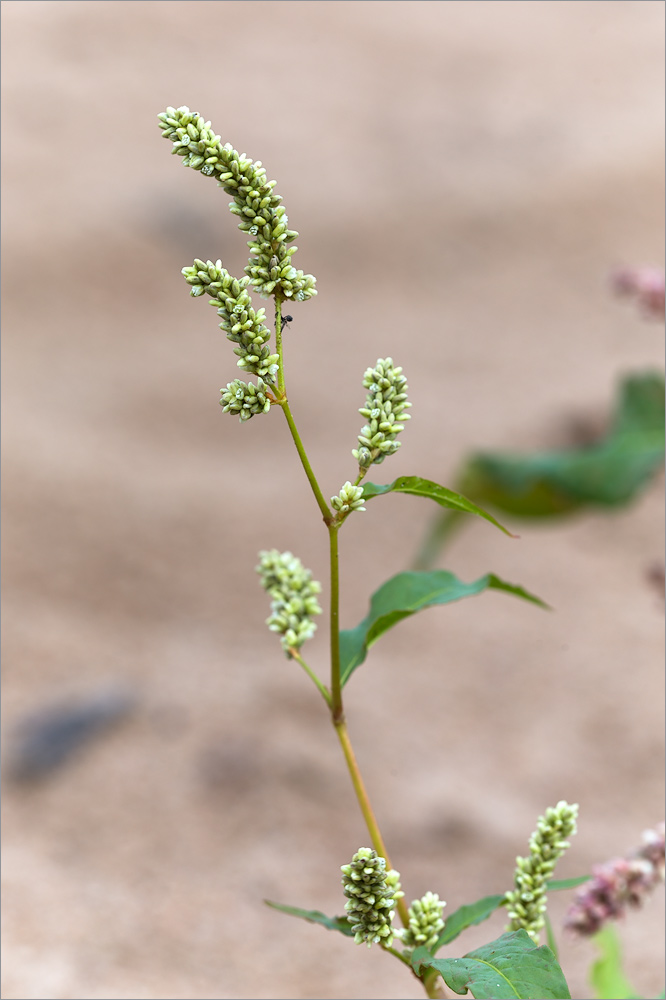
(464, 176)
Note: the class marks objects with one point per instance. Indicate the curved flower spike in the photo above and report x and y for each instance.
(526, 904)
(261, 215)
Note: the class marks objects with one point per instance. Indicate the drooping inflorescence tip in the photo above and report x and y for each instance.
(261, 215)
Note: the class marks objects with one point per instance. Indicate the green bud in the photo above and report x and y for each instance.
(245, 399)
(351, 498)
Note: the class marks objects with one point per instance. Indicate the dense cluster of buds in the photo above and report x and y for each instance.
(245, 398)
(294, 592)
(351, 498)
(425, 922)
(261, 215)
(618, 885)
(371, 894)
(384, 410)
(526, 904)
(240, 322)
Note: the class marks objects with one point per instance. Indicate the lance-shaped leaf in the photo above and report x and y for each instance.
(405, 594)
(475, 913)
(512, 966)
(606, 474)
(556, 884)
(315, 917)
(419, 487)
(466, 916)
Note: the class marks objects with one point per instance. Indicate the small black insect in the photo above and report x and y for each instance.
(286, 320)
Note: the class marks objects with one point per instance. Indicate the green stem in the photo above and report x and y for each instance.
(433, 985)
(278, 343)
(366, 808)
(398, 954)
(314, 485)
(334, 697)
(337, 712)
(323, 690)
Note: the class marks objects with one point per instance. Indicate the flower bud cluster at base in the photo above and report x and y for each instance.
(371, 892)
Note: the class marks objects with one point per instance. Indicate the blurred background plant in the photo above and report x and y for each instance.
(602, 474)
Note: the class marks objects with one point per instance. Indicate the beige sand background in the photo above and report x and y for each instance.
(464, 176)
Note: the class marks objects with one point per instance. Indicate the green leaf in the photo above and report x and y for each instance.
(566, 883)
(426, 488)
(511, 966)
(466, 916)
(607, 474)
(315, 917)
(606, 975)
(405, 594)
(475, 913)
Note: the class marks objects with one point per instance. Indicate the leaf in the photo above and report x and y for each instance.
(606, 975)
(566, 883)
(405, 594)
(315, 917)
(467, 916)
(426, 488)
(475, 913)
(511, 966)
(607, 474)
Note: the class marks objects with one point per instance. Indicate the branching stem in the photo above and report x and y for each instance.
(334, 697)
(323, 690)
(337, 711)
(366, 808)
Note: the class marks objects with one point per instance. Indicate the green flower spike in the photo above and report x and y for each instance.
(245, 398)
(371, 892)
(294, 592)
(425, 922)
(351, 498)
(526, 904)
(262, 216)
(240, 322)
(384, 409)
